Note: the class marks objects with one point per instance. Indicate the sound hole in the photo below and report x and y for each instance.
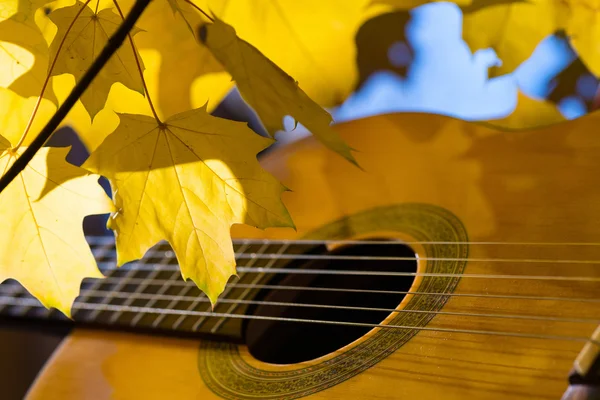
(279, 342)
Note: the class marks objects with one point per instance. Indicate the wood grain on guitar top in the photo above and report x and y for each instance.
(527, 188)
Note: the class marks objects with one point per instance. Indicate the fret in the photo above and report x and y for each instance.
(131, 271)
(185, 289)
(194, 304)
(141, 287)
(251, 263)
(245, 293)
(102, 253)
(174, 277)
(13, 289)
(126, 297)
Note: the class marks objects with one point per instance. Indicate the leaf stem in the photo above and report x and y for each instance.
(211, 19)
(48, 76)
(113, 44)
(139, 67)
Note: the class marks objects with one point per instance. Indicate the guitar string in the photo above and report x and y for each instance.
(405, 242)
(128, 295)
(247, 291)
(141, 287)
(292, 257)
(227, 315)
(260, 270)
(134, 309)
(184, 290)
(263, 270)
(415, 274)
(96, 240)
(161, 282)
(199, 322)
(414, 258)
(89, 293)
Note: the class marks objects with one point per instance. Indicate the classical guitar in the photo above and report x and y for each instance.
(460, 262)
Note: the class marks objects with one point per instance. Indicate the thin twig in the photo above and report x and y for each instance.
(111, 47)
(139, 67)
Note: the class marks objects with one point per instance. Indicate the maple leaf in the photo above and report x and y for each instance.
(409, 4)
(302, 38)
(84, 38)
(16, 112)
(512, 29)
(530, 113)
(583, 29)
(268, 89)
(24, 66)
(466, 5)
(41, 241)
(170, 33)
(187, 180)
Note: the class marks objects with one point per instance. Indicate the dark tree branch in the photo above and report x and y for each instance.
(111, 47)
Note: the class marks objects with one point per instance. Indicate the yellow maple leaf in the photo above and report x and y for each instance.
(85, 33)
(41, 241)
(302, 37)
(271, 92)
(23, 49)
(187, 180)
(530, 113)
(409, 4)
(512, 28)
(182, 60)
(16, 112)
(120, 98)
(583, 29)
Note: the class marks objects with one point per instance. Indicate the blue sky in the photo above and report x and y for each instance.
(446, 78)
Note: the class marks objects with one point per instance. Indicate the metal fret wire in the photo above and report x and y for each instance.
(96, 308)
(106, 248)
(237, 302)
(122, 282)
(110, 307)
(195, 303)
(139, 288)
(173, 302)
(12, 291)
(201, 320)
(184, 290)
(247, 291)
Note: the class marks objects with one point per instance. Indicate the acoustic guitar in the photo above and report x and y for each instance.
(459, 262)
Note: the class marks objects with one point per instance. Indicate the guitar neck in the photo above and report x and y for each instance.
(151, 296)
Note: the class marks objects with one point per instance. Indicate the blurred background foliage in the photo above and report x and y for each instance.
(417, 61)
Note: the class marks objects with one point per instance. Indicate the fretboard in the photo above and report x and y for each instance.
(150, 294)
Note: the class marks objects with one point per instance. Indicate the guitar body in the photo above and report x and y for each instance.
(460, 193)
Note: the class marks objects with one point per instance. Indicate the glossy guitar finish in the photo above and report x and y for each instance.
(427, 179)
